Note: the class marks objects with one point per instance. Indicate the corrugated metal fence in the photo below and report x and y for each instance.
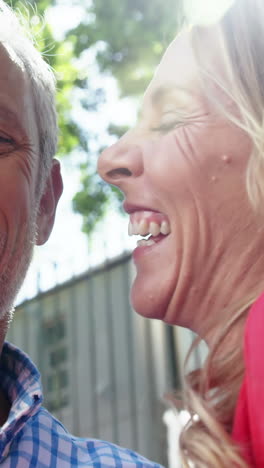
(104, 369)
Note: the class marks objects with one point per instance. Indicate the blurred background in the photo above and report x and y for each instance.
(106, 372)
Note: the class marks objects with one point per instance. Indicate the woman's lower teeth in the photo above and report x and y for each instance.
(145, 242)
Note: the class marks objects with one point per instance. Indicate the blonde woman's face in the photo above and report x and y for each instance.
(181, 170)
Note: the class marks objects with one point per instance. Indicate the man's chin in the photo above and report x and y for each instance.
(13, 277)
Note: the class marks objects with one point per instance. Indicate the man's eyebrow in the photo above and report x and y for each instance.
(10, 116)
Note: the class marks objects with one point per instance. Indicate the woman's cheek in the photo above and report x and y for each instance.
(186, 155)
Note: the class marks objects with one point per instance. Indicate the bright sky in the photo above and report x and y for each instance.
(206, 11)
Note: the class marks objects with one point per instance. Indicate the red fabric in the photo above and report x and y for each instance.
(248, 429)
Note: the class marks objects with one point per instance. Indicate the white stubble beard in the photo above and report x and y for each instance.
(12, 278)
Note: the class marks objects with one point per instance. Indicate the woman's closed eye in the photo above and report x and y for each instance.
(169, 121)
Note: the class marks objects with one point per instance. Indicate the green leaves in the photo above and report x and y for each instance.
(134, 33)
(60, 56)
(91, 201)
(126, 39)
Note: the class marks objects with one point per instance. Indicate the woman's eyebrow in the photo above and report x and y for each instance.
(157, 97)
(163, 92)
(159, 94)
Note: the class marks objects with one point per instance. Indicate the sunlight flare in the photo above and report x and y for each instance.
(205, 12)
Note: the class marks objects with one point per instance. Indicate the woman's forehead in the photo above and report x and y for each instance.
(177, 63)
(177, 74)
(179, 71)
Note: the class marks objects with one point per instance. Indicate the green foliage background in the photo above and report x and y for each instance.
(128, 38)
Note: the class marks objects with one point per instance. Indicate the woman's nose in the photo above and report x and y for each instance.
(120, 161)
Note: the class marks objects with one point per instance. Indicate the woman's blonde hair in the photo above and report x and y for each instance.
(211, 392)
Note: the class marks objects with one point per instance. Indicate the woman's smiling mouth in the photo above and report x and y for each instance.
(152, 225)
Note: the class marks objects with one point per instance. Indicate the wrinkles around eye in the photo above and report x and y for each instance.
(166, 127)
(6, 145)
(179, 122)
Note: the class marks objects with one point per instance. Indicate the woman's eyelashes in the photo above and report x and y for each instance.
(169, 120)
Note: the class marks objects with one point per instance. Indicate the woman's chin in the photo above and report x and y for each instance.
(148, 304)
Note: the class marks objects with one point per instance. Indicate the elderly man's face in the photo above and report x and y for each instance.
(19, 156)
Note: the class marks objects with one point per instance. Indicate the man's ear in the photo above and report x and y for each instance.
(48, 203)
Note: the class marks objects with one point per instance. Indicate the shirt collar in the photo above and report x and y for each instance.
(20, 382)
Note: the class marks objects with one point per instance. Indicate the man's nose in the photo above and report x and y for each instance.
(119, 162)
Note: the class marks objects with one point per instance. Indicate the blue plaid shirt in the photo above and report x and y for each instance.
(32, 437)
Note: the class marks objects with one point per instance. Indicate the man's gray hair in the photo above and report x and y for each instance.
(14, 37)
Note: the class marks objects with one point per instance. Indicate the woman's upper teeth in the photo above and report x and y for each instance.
(145, 226)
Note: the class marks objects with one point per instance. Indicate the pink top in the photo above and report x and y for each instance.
(248, 429)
